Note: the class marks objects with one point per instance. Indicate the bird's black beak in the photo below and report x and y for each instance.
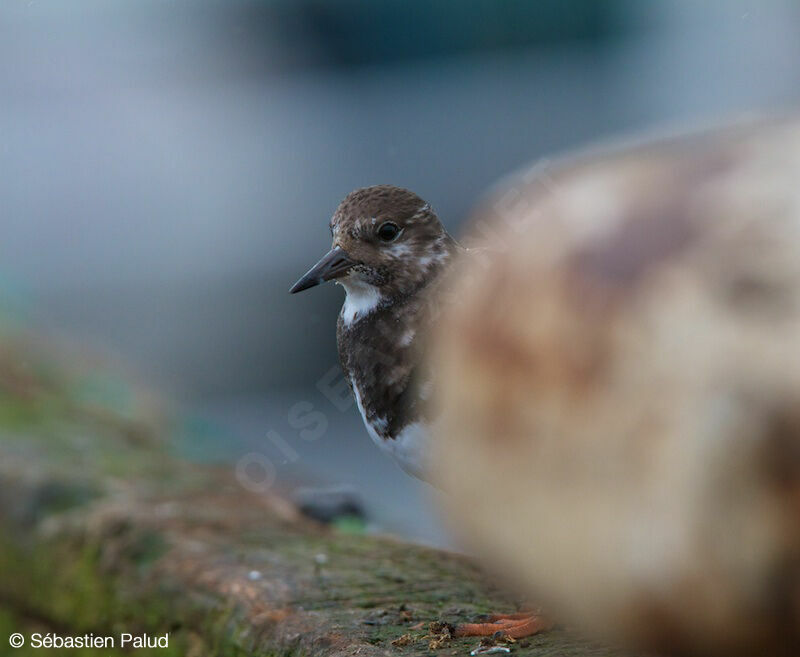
(334, 264)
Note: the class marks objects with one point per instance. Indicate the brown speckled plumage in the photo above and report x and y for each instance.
(373, 352)
(401, 269)
(390, 303)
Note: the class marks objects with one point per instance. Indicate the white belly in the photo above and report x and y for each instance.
(409, 449)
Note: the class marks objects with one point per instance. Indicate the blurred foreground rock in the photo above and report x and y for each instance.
(104, 528)
(621, 385)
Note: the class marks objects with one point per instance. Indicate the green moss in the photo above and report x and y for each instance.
(66, 563)
(350, 525)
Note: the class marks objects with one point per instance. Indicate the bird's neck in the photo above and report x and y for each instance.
(361, 300)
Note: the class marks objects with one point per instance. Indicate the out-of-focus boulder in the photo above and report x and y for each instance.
(620, 385)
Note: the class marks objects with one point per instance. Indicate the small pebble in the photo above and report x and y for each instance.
(254, 575)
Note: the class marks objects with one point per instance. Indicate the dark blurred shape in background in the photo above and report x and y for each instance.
(168, 169)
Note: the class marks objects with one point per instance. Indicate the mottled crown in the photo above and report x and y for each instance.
(365, 207)
(401, 265)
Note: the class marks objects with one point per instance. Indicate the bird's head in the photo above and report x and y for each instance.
(386, 240)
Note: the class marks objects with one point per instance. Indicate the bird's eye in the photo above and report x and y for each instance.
(388, 231)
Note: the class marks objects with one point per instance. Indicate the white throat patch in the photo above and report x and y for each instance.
(360, 300)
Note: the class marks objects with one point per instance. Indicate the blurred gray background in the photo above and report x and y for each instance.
(167, 169)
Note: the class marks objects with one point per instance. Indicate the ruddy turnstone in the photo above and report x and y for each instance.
(389, 252)
(389, 249)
